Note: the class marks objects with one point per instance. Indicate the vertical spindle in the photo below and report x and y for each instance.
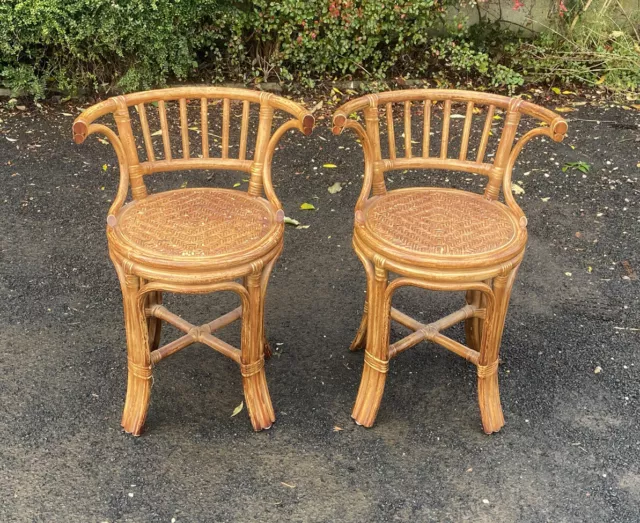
(391, 134)
(166, 142)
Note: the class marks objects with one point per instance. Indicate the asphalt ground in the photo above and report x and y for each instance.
(570, 380)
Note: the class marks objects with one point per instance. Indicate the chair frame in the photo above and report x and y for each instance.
(487, 280)
(144, 280)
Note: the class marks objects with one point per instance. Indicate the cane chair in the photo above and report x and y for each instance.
(193, 240)
(439, 239)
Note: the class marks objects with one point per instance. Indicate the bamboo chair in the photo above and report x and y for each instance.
(196, 240)
(439, 239)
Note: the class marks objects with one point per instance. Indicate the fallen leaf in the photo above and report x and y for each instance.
(337, 429)
(317, 107)
(103, 140)
(517, 189)
(291, 221)
(457, 116)
(568, 92)
(21, 107)
(157, 133)
(629, 270)
(184, 184)
(287, 484)
(565, 109)
(589, 269)
(546, 199)
(66, 114)
(302, 227)
(556, 90)
(11, 139)
(104, 167)
(497, 117)
(237, 184)
(568, 274)
(238, 409)
(636, 106)
(578, 234)
(307, 207)
(597, 370)
(336, 187)
(329, 166)
(601, 80)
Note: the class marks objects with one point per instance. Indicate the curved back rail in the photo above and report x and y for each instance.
(429, 155)
(195, 154)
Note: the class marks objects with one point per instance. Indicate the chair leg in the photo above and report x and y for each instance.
(376, 356)
(139, 363)
(254, 380)
(473, 326)
(488, 389)
(361, 336)
(266, 347)
(154, 325)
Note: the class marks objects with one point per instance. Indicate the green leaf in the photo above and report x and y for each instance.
(556, 90)
(291, 221)
(307, 207)
(238, 409)
(329, 166)
(104, 167)
(237, 184)
(581, 166)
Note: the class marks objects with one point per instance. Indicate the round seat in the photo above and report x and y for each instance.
(432, 226)
(203, 226)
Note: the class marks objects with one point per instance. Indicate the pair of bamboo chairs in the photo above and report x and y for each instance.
(201, 240)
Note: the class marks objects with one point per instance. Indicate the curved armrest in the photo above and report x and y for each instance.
(82, 123)
(304, 123)
(341, 122)
(556, 131)
(123, 186)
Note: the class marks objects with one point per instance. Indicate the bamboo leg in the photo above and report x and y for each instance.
(376, 356)
(254, 381)
(361, 336)
(488, 390)
(473, 326)
(264, 281)
(139, 362)
(154, 325)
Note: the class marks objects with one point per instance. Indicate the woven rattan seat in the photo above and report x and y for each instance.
(440, 222)
(196, 223)
(439, 239)
(194, 240)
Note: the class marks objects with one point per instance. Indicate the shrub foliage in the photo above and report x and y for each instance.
(70, 46)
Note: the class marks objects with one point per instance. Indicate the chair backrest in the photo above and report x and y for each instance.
(492, 156)
(193, 105)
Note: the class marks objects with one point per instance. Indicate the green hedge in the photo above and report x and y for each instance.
(72, 46)
(96, 45)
